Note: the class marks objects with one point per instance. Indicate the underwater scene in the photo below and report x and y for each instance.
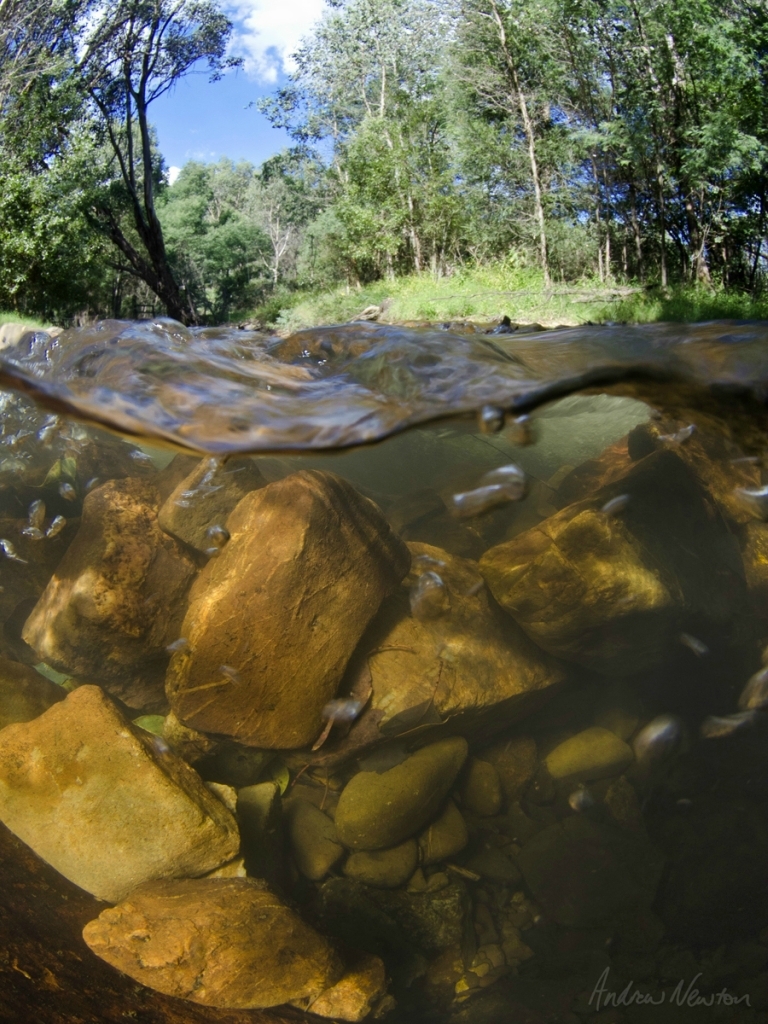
(384, 673)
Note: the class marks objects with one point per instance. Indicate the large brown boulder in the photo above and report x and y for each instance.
(225, 942)
(470, 665)
(609, 588)
(117, 597)
(273, 619)
(103, 804)
(205, 497)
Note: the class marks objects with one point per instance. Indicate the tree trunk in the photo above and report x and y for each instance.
(538, 205)
(662, 226)
(636, 232)
(531, 140)
(699, 268)
(178, 306)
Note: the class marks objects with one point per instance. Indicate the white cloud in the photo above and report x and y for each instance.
(172, 174)
(267, 32)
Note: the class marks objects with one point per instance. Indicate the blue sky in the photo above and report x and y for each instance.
(200, 120)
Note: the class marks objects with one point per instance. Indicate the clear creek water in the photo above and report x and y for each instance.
(399, 673)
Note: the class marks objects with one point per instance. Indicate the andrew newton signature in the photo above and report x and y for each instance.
(682, 995)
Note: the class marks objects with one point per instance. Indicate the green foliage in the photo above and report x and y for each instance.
(51, 262)
(479, 157)
(214, 249)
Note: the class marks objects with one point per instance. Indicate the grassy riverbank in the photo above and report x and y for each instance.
(488, 293)
(11, 317)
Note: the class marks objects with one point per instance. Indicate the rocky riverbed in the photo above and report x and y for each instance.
(321, 739)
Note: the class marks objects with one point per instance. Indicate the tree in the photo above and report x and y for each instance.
(282, 198)
(214, 247)
(131, 54)
(368, 80)
(503, 57)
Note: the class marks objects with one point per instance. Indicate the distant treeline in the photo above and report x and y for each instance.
(623, 139)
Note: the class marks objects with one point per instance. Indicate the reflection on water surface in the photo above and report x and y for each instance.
(467, 725)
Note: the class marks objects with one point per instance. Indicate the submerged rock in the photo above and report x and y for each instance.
(583, 873)
(390, 922)
(24, 693)
(205, 497)
(481, 790)
(755, 555)
(103, 804)
(445, 837)
(284, 604)
(384, 868)
(378, 810)
(607, 591)
(592, 754)
(228, 943)
(314, 841)
(357, 994)
(260, 817)
(117, 598)
(25, 577)
(470, 666)
(515, 761)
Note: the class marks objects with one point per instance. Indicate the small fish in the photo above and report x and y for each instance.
(717, 726)
(212, 552)
(10, 552)
(178, 645)
(754, 500)
(33, 533)
(93, 482)
(48, 431)
(694, 644)
(490, 419)
(217, 535)
(429, 597)
(36, 513)
(182, 504)
(57, 525)
(213, 466)
(482, 499)
(581, 799)
(159, 744)
(427, 560)
(615, 505)
(510, 476)
(475, 588)
(680, 436)
(230, 673)
(140, 456)
(341, 709)
(746, 460)
(67, 491)
(685, 803)
(520, 431)
(658, 740)
(754, 696)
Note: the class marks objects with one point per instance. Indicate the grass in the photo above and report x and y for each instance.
(489, 292)
(689, 305)
(11, 317)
